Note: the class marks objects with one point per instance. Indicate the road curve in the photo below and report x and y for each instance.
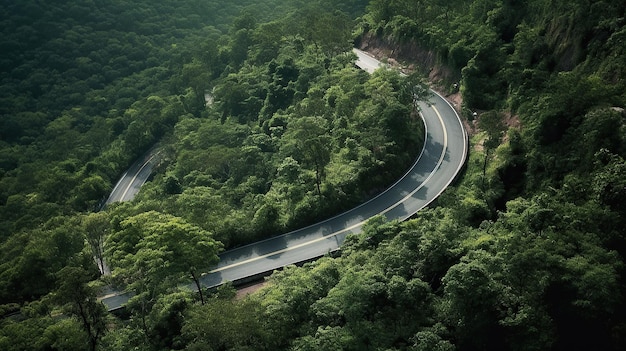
(134, 178)
(442, 157)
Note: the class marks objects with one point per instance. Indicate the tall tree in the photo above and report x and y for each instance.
(493, 125)
(79, 299)
(227, 325)
(168, 249)
(309, 137)
(96, 226)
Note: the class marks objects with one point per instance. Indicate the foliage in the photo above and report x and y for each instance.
(525, 252)
(507, 50)
(288, 140)
(80, 301)
(154, 251)
(89, 87)
(226, 325)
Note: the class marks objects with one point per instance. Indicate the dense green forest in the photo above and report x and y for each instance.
(265, 125)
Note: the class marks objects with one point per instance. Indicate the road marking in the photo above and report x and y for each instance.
(119, 183)
(335, 234)
(439, 162)
(136, 175)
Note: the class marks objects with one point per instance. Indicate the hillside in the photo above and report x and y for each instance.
(526, 252)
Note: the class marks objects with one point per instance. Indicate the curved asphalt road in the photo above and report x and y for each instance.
(443, 155)
(128, 186)
(131, 181)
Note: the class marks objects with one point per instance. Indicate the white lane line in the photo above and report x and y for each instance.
(465, 144)
(463, 131)
(136, 175)
(441, 158)
(432, 174)
(119, 183)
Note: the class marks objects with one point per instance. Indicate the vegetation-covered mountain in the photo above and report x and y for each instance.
(525, 253)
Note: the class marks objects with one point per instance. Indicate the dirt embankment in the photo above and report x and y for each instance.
(246, 290)
(411, 57)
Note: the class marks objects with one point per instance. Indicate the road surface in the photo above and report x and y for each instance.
(442, 157)
(134, 178)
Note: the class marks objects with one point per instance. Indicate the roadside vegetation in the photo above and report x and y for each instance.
(266, 126)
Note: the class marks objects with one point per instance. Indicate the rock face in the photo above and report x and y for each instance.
(415, 56)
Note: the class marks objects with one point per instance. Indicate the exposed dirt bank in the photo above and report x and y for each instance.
(249, 289)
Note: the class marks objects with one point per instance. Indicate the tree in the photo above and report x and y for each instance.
(288, 300)
(329, 31)
(172, 185)
(609, 181)
(227, 325)
(96, 226)
(490, 122)
(431, 339)
(326, 339)
(196, 75)
(169, 248)
(80, 300)
(310, 141)
(472, 303)
(166, 320)
(414, 89)
(242, 37)
(42, 333)
(90, 193)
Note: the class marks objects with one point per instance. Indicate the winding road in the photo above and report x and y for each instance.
(134, 178)
(443, 155)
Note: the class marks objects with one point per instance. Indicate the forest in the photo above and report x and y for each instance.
(265, 125)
